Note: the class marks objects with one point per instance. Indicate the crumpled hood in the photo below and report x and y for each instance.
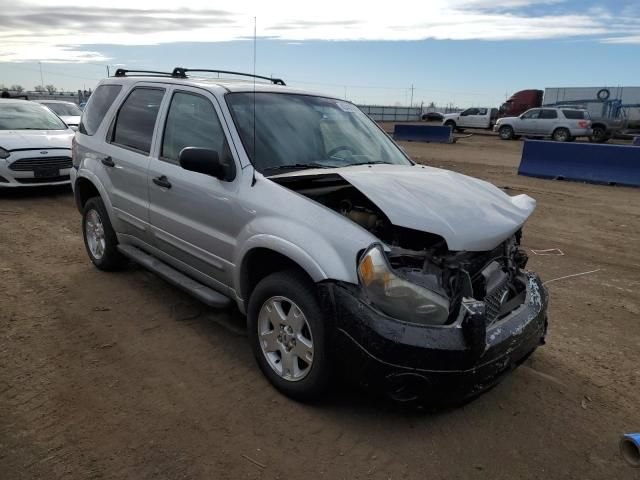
(470, 214)
(14, 139)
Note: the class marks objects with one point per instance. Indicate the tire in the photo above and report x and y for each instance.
(599, 135)
(99, 237)
(282, 292)
(561, 135)
(451, 124)
(506, 132)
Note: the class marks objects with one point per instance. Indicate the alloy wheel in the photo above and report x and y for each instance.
(285, 338)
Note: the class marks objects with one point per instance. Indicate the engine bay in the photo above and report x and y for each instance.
(423, 258)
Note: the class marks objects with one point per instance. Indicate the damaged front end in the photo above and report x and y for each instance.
(426, 322)
(438, 326)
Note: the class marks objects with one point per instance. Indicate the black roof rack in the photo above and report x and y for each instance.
(182, 73)
(121, 72)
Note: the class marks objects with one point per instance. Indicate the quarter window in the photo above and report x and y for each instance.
(192, 122)
(99, 102)
(136, 119)
(575, 114)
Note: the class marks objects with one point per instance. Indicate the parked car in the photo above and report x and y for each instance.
(35, 145)
(69, 112)
(344, 254)
(433, 117)
(471, 118)
(561, 124)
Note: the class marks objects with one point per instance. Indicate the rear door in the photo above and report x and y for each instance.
(548, 121)
(192, 214)
(127, 154)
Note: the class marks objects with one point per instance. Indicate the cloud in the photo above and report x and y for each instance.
(59, 31)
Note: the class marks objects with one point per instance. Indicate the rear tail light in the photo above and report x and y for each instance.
(584, 124)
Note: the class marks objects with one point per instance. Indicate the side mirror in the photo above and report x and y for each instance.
(73, 127)
(202, 160)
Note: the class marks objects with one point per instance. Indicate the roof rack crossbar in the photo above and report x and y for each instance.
(182, 73)
(121, 72)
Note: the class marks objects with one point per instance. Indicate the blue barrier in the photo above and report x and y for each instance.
(636, 141)
(586, 162)
(422, 133)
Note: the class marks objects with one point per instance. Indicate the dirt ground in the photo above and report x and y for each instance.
(122, 376)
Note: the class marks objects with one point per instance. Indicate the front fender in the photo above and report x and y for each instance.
(310, 249)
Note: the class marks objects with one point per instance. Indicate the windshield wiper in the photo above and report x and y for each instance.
(298, 166)
(371, 162)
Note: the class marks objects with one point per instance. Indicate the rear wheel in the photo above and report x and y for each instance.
(506, 132)
(99, 237)
(288, 334)
(599, 134)
(561, 135)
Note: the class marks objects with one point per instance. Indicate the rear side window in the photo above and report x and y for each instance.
(191, 122)
(575, 114)
(136, 119)
(97, 107)
(548, 114)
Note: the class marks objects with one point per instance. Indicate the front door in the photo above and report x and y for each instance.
(192, 214)
(529, 122)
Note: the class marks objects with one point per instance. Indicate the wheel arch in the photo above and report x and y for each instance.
(261, 261)
(83, 190)
(86, 186)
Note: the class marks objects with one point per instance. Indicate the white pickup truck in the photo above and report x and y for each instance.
(472, 118)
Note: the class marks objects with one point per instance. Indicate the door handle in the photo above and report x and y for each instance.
(108, 161)
(162, 181)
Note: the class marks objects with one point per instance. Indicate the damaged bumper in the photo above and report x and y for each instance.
(435, 363)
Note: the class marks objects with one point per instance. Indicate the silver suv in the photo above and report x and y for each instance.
(300, 210)
(561, 124)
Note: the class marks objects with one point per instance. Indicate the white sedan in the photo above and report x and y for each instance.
(35, 145)
(69, 112)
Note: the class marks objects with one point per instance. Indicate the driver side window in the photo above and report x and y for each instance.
(192, 122)
(531, 114)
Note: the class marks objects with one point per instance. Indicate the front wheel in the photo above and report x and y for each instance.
(288, 335)
(561, 135)
(99, 236)
(505, 132)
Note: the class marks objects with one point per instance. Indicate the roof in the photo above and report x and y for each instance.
(209, 83)
(44, 100)
(4, 101)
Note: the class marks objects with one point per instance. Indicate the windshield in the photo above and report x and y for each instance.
(64, 109)
(28, 116)
(301, 131)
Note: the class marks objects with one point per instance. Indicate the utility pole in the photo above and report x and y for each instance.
(411, 102)
(107, 71)
(41, 77)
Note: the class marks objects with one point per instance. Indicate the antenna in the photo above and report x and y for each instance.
(253, 179)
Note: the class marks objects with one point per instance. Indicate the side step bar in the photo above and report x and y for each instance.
(201, 292)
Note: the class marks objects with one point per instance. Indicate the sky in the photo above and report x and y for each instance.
(465, 52)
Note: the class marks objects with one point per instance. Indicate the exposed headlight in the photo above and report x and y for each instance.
(396, 296)
(4, 153)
